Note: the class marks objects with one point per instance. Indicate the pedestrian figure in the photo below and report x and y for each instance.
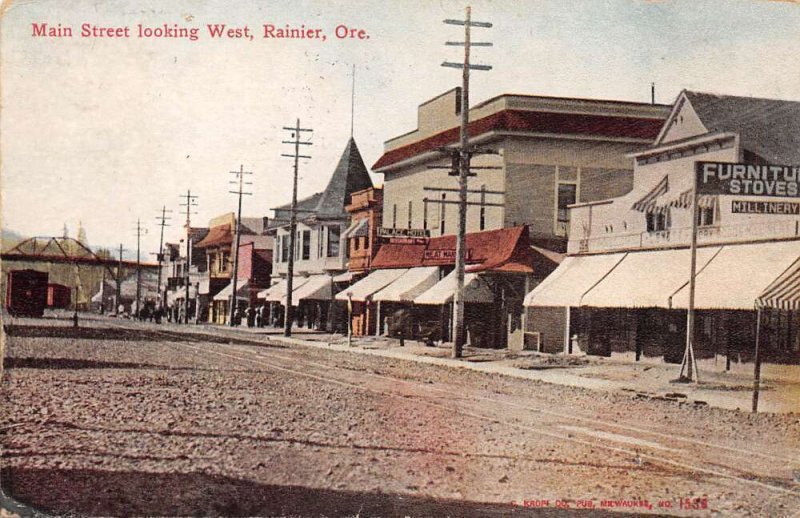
(250, 314)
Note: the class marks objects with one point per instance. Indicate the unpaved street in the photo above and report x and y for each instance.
(118, 418)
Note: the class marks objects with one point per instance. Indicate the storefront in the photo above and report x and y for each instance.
(636, 302)
(413, 285)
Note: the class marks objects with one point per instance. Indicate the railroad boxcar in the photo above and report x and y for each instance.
(58, 296)
(26, 293)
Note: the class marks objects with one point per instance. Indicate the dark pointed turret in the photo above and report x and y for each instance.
(351, 175)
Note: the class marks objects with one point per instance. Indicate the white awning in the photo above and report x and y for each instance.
(377, 280)
(574, 277)
(409, 285)
(646, 279)
(277, 292)
(475, 290)
(242, 292)
(344, 277)
(318, 287)
(738, 275)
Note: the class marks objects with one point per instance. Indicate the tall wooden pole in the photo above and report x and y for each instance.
(295, 134)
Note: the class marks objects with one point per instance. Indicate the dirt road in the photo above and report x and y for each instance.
(120, 418)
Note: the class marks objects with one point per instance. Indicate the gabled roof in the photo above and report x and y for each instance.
(349, 176)
(768, 128)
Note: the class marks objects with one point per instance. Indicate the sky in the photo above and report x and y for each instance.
(108, 130)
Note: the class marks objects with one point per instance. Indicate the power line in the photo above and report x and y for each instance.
(240, 180)
(294, 133)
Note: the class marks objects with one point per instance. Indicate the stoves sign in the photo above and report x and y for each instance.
(403, 233)
(780, 181)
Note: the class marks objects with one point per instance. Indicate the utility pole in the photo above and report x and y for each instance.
(191, 202)
(295, 136)
(464, 171)
(240, 180)
(119, 282)
(139, 231)
(160, 255)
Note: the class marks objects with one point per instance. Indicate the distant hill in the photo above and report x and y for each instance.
(9, 239)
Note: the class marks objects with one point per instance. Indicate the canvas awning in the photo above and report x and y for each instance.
(475, 290)
(344, 277)
(646, 279)
(366, 287)
(277, 292)
(573, 278)
(318, 287)
(648, 202)
(783, 292)
(242, 291)
(739, 274)
(409, 285)
(356, 229)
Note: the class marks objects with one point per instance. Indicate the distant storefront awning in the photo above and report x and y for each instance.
(409, 285)
(277, 292)
(647, 279)
(366, 287)
(783, 292)
(317, 287)
(242, 291)
(739, 274)
(358, 228)
(344, 277)
(475, 290)
(573, 278)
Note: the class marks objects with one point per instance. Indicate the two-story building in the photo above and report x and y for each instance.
(320, 252)
(366, 211)
(536, 156)
(182, 267)
(624, 286)
(218, 247)
(550, 152)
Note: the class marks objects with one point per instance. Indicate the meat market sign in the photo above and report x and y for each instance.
(781, 181)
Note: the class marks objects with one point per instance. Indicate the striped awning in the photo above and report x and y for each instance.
(783, 292)
(648, 202)
(684, 201)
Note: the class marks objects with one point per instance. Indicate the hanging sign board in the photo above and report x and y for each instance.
(748, 179)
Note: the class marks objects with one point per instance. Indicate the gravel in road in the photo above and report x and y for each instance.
(135, 421)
